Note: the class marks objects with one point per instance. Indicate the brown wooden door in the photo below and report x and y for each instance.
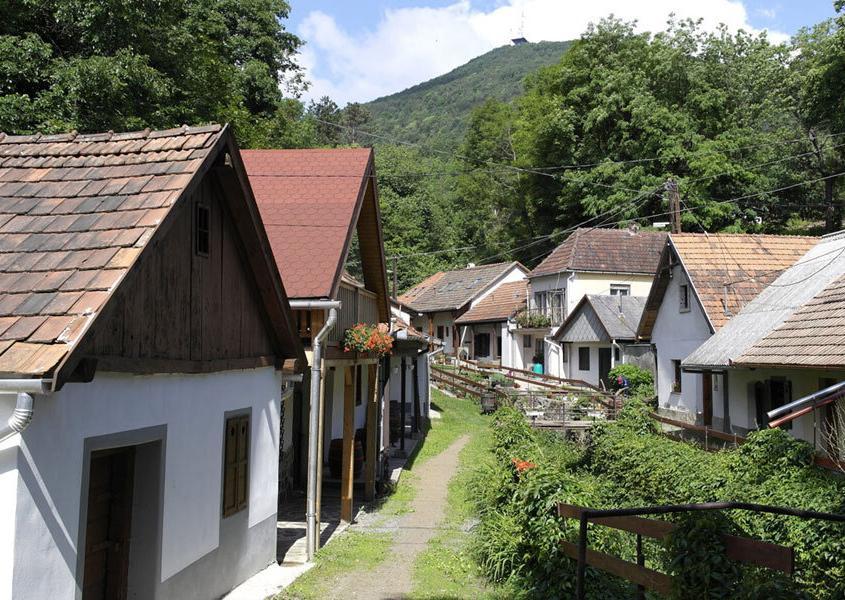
(707, 397)
(604, 366)
(108, 524)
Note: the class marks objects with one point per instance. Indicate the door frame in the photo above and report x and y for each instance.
(135, 437)
(707, 398)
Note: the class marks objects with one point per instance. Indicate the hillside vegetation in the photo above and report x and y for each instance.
(436, 112)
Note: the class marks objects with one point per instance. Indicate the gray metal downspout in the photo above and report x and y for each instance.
(22, 414)
(311, 528)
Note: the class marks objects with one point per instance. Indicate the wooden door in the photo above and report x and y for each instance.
(707, 397)
(604, 366)
(108, 524)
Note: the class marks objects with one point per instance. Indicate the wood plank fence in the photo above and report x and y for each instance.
(741, 549)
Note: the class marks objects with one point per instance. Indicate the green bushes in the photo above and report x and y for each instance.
(628, 464)
(640, 382)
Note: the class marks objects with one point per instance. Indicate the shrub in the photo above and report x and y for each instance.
(639, 381)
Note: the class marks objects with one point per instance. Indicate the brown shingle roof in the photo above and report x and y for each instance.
(499, 305)
(749, 262)
(308, 201)
(813, 336)
(75, 213)
(605, 250)
(452, 290)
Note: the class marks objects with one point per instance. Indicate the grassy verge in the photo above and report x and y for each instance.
(351, 551)
(445, 569)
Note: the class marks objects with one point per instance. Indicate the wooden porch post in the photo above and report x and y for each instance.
(372, 432)
(416, 375)
(347, 474)
(403, 397)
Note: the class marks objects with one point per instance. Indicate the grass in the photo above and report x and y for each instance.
(446, 569)
(351, 551)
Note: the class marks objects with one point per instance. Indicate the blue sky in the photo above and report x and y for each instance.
(362, 49)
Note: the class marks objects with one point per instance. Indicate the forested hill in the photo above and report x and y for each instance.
(436, 112)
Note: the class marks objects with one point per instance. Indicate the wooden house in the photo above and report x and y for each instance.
(320, 210)
(702, 281)
(143, 332)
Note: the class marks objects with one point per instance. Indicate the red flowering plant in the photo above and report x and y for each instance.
(522, 466)
(375, 339)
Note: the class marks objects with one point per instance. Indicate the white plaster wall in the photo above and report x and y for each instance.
(675, 335)
(553, 356)
(8, 502)
(192, 408)
(804, 382)
(507, 345)
(592, 375)
(581, 283)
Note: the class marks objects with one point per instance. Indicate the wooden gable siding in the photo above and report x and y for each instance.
(182, 311)
(372, 250)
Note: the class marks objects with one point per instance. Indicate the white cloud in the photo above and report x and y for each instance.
(411, 45)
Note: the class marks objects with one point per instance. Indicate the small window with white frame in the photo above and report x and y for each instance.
(683, 297)
(620, 289)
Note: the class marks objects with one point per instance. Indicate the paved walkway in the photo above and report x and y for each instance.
(392, 579)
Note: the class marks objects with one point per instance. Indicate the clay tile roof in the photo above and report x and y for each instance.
(75, 212)
(452, 290)
(749, 262)
(308, 201)
(499, 305)
(605, 250)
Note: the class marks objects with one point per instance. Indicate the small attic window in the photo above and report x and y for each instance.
(202, 221)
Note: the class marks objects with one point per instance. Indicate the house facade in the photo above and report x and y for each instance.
(144, 331)
(439, 300)
(314, 203)
(591, 261)
(600, 333)
(488, 326)
(783, 346)
(702, 281)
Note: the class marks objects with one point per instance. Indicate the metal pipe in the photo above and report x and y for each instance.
(806, 400)
(21, 417)
(29, 386)
(311, 526)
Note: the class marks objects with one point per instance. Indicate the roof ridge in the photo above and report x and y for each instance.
(74, 136)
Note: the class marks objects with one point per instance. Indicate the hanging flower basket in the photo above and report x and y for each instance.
(373, 339)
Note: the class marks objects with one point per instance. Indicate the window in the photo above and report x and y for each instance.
(440, 333)
(683, 297)
(482, 344)
(538, 347)
(202, 220)
(358, 375)
(236, 465)
(620, 289)
(676, 369)
(527, 341)
(583, 359)
(616, 354)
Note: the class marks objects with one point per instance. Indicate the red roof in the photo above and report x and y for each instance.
(308, 201)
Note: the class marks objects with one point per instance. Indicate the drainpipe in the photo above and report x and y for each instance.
(22, 414)
(311, 526)
(615, 347)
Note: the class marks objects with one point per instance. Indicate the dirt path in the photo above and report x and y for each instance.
(392, 579)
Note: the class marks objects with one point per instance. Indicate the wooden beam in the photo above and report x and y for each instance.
(372, 432)
(648, 578)
(347, 474)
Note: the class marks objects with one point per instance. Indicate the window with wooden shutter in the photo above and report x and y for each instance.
(236, 465)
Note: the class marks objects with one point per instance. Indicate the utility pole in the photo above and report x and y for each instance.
(395, 276)
(674, 205)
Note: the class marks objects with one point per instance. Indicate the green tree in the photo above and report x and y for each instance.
(326, 116)
(92, 66)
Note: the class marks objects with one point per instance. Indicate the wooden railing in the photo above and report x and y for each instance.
(741, 549)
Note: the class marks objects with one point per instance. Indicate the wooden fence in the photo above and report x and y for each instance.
(741, 549)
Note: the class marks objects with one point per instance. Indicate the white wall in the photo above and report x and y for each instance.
(334, 403)
(675, 335)
(581, 283)
(50, 465)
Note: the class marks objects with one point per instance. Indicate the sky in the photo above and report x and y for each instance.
(358, 50)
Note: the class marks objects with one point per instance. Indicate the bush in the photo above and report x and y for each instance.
(639, 381)
(629, 464)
